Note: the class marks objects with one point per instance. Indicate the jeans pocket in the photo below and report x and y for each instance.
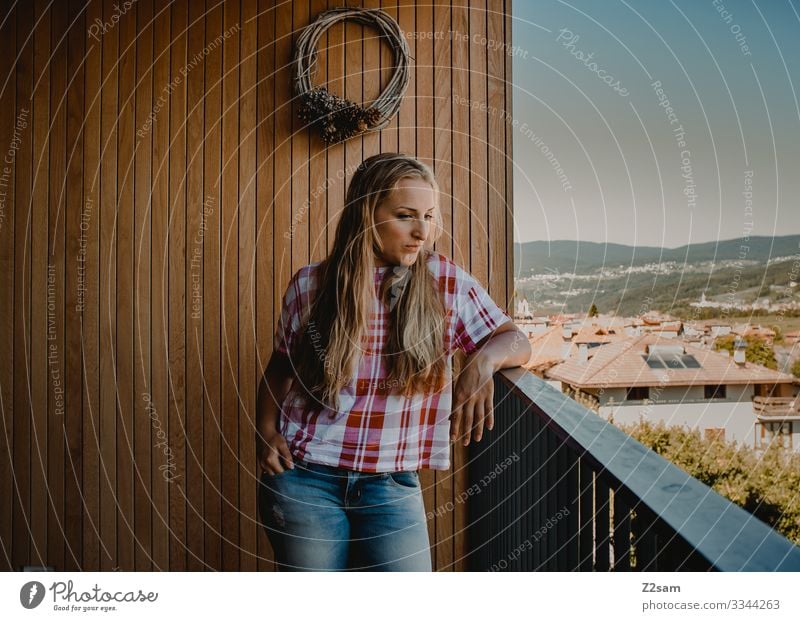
(407, 479)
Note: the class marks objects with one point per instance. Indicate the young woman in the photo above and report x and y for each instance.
(357, 396)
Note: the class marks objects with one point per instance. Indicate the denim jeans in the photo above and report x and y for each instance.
(321, 518)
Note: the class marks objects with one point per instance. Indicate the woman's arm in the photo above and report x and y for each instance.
(473, 397)
(272, 452)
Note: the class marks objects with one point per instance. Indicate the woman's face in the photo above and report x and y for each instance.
(403, 221)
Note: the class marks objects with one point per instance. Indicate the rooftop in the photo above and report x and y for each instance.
(633, 361)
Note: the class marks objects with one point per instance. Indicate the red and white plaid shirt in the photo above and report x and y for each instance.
(374, 429)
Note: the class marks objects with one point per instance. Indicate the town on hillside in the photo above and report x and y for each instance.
(721, 378)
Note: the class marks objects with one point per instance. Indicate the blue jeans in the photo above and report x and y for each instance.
(321, 518)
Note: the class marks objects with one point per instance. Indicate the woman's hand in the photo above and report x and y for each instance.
(473, 399)
(273, 452)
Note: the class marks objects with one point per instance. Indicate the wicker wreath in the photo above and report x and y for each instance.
(337, 118)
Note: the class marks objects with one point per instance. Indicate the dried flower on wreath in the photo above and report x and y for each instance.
(336, 118)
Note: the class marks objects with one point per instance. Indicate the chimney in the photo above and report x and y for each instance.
(583, 353)
(739, 347)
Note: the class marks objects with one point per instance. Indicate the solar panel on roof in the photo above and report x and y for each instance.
(673, 362)
(690, 362)
(654, 362)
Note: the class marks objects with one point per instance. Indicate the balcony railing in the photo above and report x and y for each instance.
(769, 409)
(556, 488)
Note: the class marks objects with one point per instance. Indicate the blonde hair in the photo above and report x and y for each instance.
(330, 342)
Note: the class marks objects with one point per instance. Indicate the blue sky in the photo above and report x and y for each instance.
(599, 157)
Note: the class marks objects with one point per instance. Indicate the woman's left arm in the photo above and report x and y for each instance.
(474, 392)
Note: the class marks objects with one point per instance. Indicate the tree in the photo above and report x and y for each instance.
(757, 351)
(796, 368)
(765, 484)
(593, 311)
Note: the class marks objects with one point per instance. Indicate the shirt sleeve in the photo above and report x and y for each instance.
(291, 313)
(478, 315)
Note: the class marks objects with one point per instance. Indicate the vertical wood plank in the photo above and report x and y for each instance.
(173, 467)
(125, 291)
(90, 313)
(443, 169)
(55, 291)
(39, 241)
(298, 208)
(248, 371)
(509, 159)
(282, 190)
(159, 279)
(8, 127)
(266, 212)
(461, 241)
(336, 165)
(353, 89)
(389, 134)
(230, 284)
(142, 512)
(371, 78)
(22, 265)
(318, 162)
(195, 234)
(212, 350)
(496, 153)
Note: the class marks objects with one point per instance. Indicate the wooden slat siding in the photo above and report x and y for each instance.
(212, 350)
(496, 152)
(248, 371)
(406, 117)
(144, 167)
(353, 90)
(73, 502)
(69, 539)
(299, 165)
(266, 213)
(55, 286)
(389, 133)
(461, 248)
(371, 78)
(90, 316)
(140, 196)
(336, 166)
(318, 164)
(159, 281)
(229, 121)
(8, 120)
(176, 472)
(38, 218)
(124, 284)
(107, 430)
(20, 547)
(508, 107)
(443, 169)
(282, 122)
(195, 473)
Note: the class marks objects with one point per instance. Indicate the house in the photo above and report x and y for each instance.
(660, 379)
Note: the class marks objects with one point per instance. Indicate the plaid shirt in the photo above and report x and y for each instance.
(376, 430)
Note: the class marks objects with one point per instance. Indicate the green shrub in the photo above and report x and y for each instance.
(767, 484)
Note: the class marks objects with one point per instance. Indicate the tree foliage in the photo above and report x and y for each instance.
(766, 483)
(758, 351)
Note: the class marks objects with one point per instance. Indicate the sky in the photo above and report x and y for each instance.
(655, 123)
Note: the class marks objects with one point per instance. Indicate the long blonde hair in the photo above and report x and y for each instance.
(330, 342)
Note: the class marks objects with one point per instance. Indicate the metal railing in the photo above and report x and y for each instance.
(556, 488)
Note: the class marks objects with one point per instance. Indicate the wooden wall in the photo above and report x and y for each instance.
(156, 194)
